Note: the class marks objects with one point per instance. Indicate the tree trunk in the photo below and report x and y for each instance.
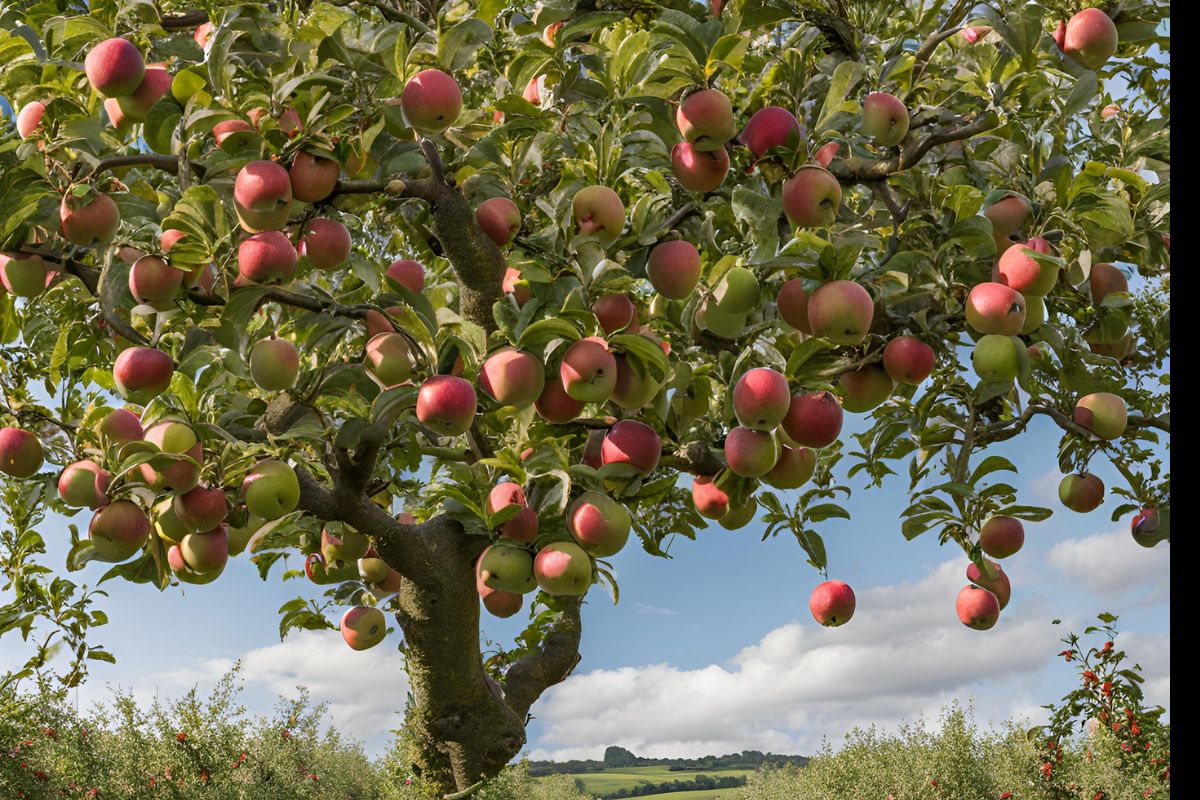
(465, 732)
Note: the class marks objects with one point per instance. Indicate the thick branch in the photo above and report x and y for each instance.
(168, 164)
(527, 679)
(867, 170)
(184, 21)
(403, 546)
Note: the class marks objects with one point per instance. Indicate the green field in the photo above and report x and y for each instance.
(610, 780)
(702, 794)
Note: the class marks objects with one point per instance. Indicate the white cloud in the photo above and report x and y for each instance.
(904, 652)
(1112, 563)
(645, 609)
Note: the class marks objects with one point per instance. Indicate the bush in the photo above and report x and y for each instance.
(958, 761)
(194, 747)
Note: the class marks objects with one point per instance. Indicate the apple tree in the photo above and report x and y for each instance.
(435, 303)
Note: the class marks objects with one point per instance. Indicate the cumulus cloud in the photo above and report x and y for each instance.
(320, 662)
(905, 652)
(1112, 563)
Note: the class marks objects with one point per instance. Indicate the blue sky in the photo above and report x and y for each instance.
(712, 651)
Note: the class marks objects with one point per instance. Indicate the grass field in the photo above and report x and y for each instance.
(610, 780)
(702, 794)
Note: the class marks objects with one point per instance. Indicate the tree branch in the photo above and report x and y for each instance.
(181, 22)
(527, 679)
(168, 164)
(866, 170)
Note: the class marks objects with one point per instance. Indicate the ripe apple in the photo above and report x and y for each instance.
(142, 373)
(186, 574)
(114, 68)
(313, 176)
(598, 211)
(232, 135)
(407, 273)
(513, 378)
(995, 308)
(908, 360)
(271, 490)
(498, 602)
(1001, 536)
(600, 524)
(563, 568)
(500, 219)
(710, 500)
(508, 568)
(634, 443)
(363, 627)
(173, 438)
(1008, 215)
(884, 119)
(135, 107)
(154, 281)
(1151, 526)
(325, 243)
(792, 304)
(1082, 493)
(761, 399)
(832, 603)
(826, 153)
(865, 388)
(432, 101)
(793, 469)
(446, 404)
(698, 170)
(589, 371)
(813, 419)
(22, 275)
(267, 257)
(841, 311)
(705, 120)
(1106, 279)
(1102, 413)
(21, 453)
(520, 528)
(89, 222)
(118, 530)
(1090, 38)
(811, 197)
(615, 312)
(977, 608)
(772, 126)
(83, 484)
(205, 552)
(200, 509)
(555, 405)
(120, 426)
(29, 118)
(750, 453)
(387, 359)
(1019, 270)
(999, 585)
(997, 359)
(262, 197)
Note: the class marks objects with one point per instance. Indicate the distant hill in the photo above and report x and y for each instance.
(617, 757)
